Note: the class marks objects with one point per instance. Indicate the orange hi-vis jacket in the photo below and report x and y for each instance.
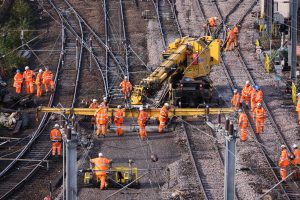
(143, 117)
(230, 35)
(246, 92)
(296, 153)
(253, 94)
(259, 96)
(119, 116)
(18, 79)
(47, 76)
(235, 99)
(39, 79)
(259, 113)
(163, 114)
(101, 164)
(243, 120)
(298, 104)
(55, 135)
(236, 30)
(212, 22)
(28, 75)
(101, 116)
(93, 105)
(126, 86)
(284, 159)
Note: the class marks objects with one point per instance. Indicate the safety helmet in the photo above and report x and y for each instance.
(119, 106)
(46, 68)
(26, 68)
(295, 146)
(40, 71)
(125, 77)
(215, 18)
(283, 146)
(104, 98)
(257, 87)
(258, 104)
(298, 94)
(141, 108)
(247, 82)
(166, 104)
(18, 71)
(94, 100)
(56, 126)
(100, 154)
(240, 110)
(235, 90)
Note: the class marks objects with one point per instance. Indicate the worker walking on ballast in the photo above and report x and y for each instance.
(246, 94)
(48, 80)
(28, 75)
(101, 165)
(236, 100)
(243, 125)
(230, 40)
(18, 80)
(56, 139)
(101, 121)
(296, 162)
(163, 117)
(126, 88)
(38, 83)
(260, 116)
(119, 119)
(283, 162)
(142, 120)
(236, 34)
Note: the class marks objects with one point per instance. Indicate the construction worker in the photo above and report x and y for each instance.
(212, 23)
(259, 115)
(283, 162)
(28, 75)
(126, 87)
(94, 104)
(104, 103)
(38, 83)
(119, 119)
(236, 34)
(246, 94)
(253, 98)
(163, 117)
(230, 40)
(101, 164)
(296, 162)
(259, 95)
(56, 138)
(48, 80)
(298, 107)
(18, 80)
(142, 120)
(235, 100)
(243, 125)
(101, 121)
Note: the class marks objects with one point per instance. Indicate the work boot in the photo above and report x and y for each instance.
(103, 135)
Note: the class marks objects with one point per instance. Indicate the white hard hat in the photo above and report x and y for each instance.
(100, 154)
(125, 77)
(215, 18)
(283, 146)
(240, 110)
(235, 90)
(298, 94)
(295, 146)
(141, 108)
(26, 68)
(119, 106)
(104, 98)
(56, 126)
(247, 82)
(94, 100)
(258, 104)
(40, 70)
(166, 104)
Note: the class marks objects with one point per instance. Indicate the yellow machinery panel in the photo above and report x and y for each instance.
(294, 93)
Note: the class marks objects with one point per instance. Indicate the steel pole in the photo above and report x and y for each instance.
(269, 17)
(294, 40)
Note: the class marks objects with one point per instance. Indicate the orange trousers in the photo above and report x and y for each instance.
(229, 45)
(246, 99)
(161, 126)
(283, 173)
(143, 132)
(39, 91)
(119, 130)
(101, 128)
(29, 87)
(259, 124)
(47, 84)
(56, 148)
(244, 134)
(103, 183)
(126, 94)
(236, 40)
(18, 89)
(298, 117)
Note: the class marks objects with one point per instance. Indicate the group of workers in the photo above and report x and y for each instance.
(232, 34)
(31, 79)
(252, 95)
(287, 159)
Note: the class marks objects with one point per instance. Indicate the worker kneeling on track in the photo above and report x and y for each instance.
(101, 164)
(163, 117)
(101, 121)
(260, 116)
(243, 125)
(296, 162)
(56, 138)
(119, 119)
(283, 162)
(142, 120)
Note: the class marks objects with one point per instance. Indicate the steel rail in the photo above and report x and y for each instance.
(172, 4)
(106, 41)
(159, 23)
(124, 38)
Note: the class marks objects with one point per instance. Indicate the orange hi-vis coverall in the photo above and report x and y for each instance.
(283, 163)
(235, 101)
(94, 105)
(246, 94)
(28, 76)
(298, 109)
(126, 88)
(18, 80)
(101, 165)
(230, 40)
(101, 120)
(163, 118)
(142, 119)
(118, 120)
(253, 99)
(48, 80)
(212, 22)
(296, 163)
(38, 83)
(103, 105)
(259, 96)
(55, 136)
(243, 124)
(260, 115)
(236, 35)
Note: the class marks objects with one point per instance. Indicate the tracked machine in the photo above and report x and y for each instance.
(182, 77)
